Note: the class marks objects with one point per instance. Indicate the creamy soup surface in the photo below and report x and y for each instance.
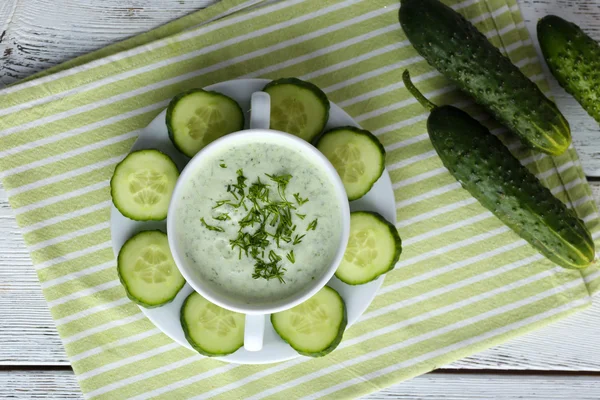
(216, 212)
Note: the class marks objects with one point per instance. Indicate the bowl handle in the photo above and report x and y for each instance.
(260, 110)
(254, 332)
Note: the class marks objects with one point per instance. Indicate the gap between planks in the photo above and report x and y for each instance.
(445, 371)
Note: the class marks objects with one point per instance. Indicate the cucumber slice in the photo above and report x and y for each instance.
(147, 270)
(211, 330)
(197, 117)
(373, 249)
(357, 155)
(142, 185)
(315, 327)
(297, 107)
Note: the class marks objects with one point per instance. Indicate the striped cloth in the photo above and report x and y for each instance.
(464, 283)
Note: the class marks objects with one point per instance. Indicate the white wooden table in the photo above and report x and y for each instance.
(559, 362)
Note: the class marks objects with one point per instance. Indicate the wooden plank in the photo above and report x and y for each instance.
(460, 386)
(40, 384)
(585, 130)
(27, 332)
(7, 10)
(568, 345)
(28, 336)
(43, 33)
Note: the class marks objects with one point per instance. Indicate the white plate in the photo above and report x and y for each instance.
(380, 199)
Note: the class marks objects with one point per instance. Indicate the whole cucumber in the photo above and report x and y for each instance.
(488, 170)
(464, 55)
(574, 60)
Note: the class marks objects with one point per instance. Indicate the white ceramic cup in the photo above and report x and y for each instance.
(256, 313)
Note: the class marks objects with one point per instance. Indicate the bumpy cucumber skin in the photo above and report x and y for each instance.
(113, 187)
(188, 336)
(129, 295)
(487, 169)
(574, 60)
(333, 345)
(173, 103)
(372, 138)
(397, 240)
(307, 85)
(464, 55)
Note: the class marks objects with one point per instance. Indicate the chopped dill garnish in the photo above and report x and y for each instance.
(290, 256)
(220, 203)
(211, 227)
(222, 217)
(266, 225)
(298, 239)
(299, 199)
(268, 270)
(312, 226)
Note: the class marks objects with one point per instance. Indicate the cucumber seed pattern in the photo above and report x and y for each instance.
(289, 117)
(207, 124)
(361, 250)
(309, 317)
(147, 186)
(216, 319)
(348, 163)
(154, 266)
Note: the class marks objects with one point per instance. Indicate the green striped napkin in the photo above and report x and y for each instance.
(464, 283)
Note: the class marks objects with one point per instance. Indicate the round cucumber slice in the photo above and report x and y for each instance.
(210, 329)
(142, 185)
(197, 117)
(147, 270)
(357, 156)
(315, 327)
(373, 249)
(297, 107)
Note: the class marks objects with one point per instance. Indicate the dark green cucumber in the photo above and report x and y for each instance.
(464, 55)
(574, 60)
(488, 170)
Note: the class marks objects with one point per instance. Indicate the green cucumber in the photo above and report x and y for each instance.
(197, 117)
(373, 249)
(488, 170)
(147, 270)
(297, 107)
(142, 185)
(452, 45)
(316, 327)
(211, 330)
(357, 155)
(574, 60)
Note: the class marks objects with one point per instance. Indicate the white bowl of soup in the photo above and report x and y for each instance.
(258, 221)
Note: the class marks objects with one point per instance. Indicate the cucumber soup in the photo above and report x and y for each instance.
(259, 221)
